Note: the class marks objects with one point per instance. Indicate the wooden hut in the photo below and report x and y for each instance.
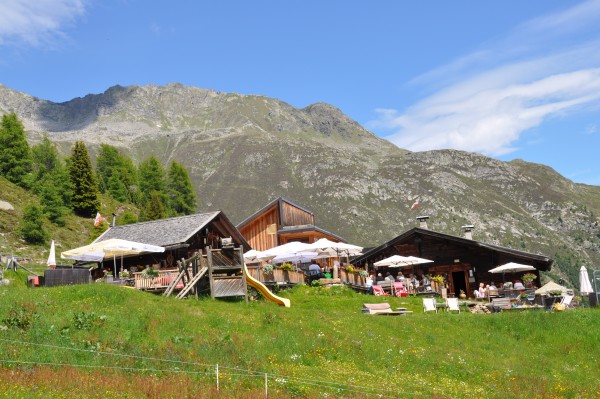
(463, 261)
(181, 237)
(282, 221)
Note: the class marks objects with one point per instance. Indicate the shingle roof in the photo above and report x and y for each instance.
(163, 232)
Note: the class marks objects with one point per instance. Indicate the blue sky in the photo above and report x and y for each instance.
(509, 79)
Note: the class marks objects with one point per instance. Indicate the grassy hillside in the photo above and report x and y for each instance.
(321, 347)
(76, 232)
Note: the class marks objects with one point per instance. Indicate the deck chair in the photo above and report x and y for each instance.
(567, 300)
(429, 305)
(378, 291)
(399, 290)
(452, 304)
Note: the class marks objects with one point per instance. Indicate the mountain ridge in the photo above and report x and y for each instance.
(244, 150)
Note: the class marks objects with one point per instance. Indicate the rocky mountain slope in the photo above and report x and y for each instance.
(243, 150)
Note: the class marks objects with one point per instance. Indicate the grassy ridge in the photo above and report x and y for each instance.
(323, 338)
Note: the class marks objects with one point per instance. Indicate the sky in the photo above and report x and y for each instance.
(510, 79)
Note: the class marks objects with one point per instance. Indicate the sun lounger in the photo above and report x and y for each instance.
(382, 309)
(429, 305)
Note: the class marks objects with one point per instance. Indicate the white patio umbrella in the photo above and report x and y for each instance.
(111, 248)
(290, 248)
(551, 286)
(332, 248)
(585, 286)
(52, 257)
(252, 256)
(99, 251)
(512, 268)
(401, 261)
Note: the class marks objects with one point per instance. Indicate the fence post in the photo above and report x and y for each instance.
(217, 373)
(266, 386)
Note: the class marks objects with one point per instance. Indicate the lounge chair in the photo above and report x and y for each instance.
(378, 291)
(399, 290)
(452, 304)
(567, 300)
(429, 305)
(383, 309)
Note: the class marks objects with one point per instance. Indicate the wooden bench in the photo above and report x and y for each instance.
(383, 309)
(500, 303)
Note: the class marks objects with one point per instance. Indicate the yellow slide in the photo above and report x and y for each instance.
(264, 291)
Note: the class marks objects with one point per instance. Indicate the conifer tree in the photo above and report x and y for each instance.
(152, 178)
(85, 189)
(32, 226)
(50, 180)
(154, 209)
(112, 164)
(182, 198)
(15, 154)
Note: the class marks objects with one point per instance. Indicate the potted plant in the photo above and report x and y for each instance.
(462, 295)
(268, 271)
(149, 273)
(286, 267)
(528, 279)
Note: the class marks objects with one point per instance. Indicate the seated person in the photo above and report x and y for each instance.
(519, 285)
(424, 280)
(388, 276)
(493, 286)
(379, 277)
(314, 269)
(480, 292)
(400, 277)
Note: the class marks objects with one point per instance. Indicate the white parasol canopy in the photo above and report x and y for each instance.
(252, 256)
(52, 256)
(401, 261)
(99, 251)
(512, 268)
(290, 248)
(551, 286)
(323, 245)
(584, 282)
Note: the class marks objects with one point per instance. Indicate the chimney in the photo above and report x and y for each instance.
(468, 229)
(114, 221)
(423, 222)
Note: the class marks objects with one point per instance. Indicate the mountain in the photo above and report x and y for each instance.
(244, 150)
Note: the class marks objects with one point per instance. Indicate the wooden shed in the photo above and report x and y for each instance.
(465, 262)
(282, 221)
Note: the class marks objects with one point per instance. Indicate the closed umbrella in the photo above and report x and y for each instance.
(584, 282)
(52, 257)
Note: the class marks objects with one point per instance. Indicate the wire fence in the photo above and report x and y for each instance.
(215, 371)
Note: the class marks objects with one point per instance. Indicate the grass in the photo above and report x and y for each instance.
(321, 340)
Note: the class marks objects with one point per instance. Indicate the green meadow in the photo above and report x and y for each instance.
(102, 341)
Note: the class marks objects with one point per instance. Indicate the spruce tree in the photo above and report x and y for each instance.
(152, 178)
(52, 202)
(49, 174)
(154, 209)
(111, 164)
(181, 194)
(85, 189)
(15, 154)
(32, 226)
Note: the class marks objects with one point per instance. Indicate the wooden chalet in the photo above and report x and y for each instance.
(182, 237)
(282, 221)
(464, 262)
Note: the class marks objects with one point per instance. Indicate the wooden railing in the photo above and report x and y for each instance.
(162, 281)
(352, 279)
(278, 275)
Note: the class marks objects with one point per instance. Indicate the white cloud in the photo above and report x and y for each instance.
(506, 88)
(36, 22)
(591, 129)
